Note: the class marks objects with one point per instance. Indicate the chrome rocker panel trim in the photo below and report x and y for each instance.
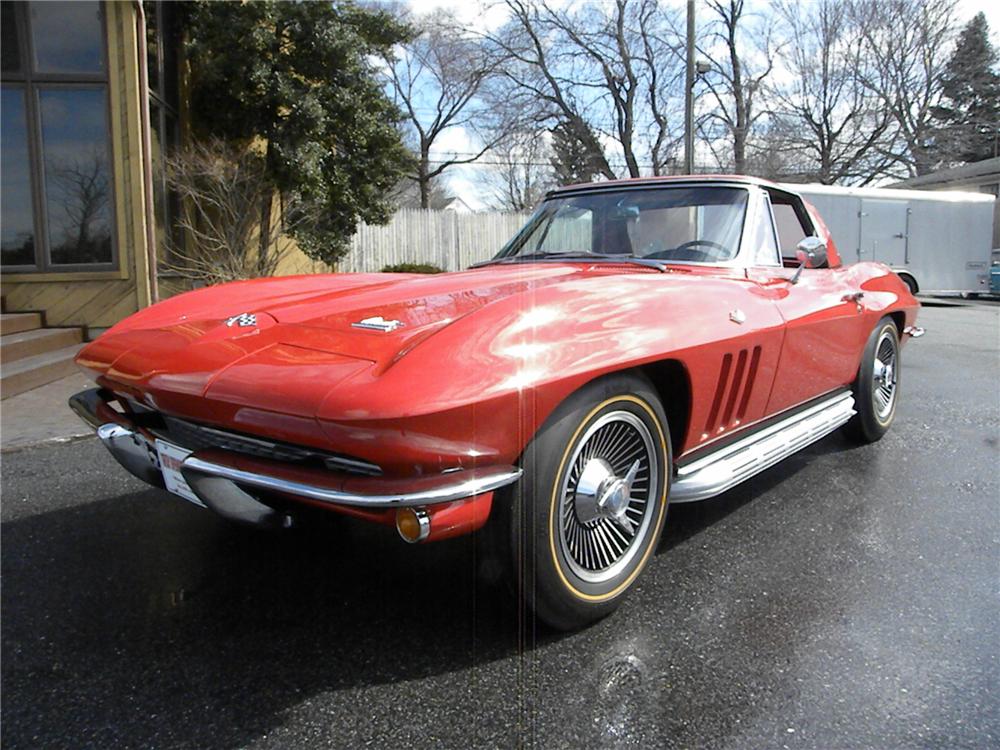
(725, 468)
(217, 479)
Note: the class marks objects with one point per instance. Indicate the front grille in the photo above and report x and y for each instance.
(194, 436)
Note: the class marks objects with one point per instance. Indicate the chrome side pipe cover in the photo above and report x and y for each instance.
(728, 466)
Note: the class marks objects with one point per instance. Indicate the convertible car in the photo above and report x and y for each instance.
(637, 343)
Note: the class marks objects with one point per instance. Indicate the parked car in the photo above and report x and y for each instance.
(637, 343)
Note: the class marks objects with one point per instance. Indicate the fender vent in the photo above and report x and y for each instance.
(732, 394)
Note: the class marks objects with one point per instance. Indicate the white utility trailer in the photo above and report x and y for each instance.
(937, 241)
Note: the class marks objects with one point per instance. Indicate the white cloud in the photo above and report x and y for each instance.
(482, 16)
(966, 9)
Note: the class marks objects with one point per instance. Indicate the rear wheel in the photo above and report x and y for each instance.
(876, 388)
(585, 519)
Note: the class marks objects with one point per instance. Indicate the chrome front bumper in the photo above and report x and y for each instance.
(223, 480)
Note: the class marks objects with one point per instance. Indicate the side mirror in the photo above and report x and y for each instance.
(811, 252)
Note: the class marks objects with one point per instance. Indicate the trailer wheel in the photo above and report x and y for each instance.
(911, 283)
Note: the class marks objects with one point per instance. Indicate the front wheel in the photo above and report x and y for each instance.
(587, 515)
(876, 388)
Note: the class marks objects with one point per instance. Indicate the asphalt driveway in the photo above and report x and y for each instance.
(846, 598)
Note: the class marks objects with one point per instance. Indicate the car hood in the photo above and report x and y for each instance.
(325, 312)
(301, 364)
(303, 328)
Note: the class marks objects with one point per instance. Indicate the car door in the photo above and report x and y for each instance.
(823, 314)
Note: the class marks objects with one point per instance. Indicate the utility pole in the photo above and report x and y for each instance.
(689, 94)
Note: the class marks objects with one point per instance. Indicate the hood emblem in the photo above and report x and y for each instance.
(243, 320)
(378, 323)
(738, 316)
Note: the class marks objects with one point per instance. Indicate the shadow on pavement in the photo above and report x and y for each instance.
(136, 620)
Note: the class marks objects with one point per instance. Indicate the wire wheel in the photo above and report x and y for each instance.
(885, 374)
(606, 508)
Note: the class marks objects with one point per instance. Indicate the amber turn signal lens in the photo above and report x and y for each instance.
(413, 524)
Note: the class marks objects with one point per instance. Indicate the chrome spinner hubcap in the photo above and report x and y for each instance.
(606, 507)
(601, 494)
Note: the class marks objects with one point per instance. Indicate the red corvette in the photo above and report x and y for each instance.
(637, 342)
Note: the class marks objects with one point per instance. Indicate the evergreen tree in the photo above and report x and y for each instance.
(969, 114)
(298, 79)
(576, 153)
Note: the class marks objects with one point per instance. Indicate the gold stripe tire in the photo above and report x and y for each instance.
(570, 569)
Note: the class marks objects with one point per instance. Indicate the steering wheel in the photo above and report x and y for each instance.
(686, 251)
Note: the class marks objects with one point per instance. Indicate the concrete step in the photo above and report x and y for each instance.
(17, 322)
(24, 374)
(29, 343)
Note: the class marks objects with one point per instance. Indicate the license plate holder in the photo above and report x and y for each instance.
(171, 456)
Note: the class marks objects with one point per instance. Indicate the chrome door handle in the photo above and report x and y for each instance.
(856, 298)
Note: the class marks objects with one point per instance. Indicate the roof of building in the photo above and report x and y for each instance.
(973, 172)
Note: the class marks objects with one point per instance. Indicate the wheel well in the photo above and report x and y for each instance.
(900, 320)
(673, 386)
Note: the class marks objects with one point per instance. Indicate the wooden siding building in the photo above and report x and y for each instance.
(90, 93)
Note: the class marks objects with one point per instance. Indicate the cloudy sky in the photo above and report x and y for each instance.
(462, 180)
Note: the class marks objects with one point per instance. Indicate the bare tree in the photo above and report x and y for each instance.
(220, 189)
(438, 79)
(610, 76)
(407, 194)
(738, 45)
(904, 58)
(827, 115)
(520, 173)
(82, 190)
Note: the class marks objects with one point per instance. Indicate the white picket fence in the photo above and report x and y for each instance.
(447, 239)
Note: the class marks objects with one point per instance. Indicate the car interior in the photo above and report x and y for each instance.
(792, 223)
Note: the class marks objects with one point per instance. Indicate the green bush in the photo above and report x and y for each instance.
(412, 268)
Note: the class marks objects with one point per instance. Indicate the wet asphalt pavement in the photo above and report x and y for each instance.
(846, 598)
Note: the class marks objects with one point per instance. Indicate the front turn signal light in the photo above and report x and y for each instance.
(413, 524)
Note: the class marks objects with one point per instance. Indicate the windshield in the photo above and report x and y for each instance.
(672, 224)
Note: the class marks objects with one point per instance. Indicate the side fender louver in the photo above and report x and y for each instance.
(732, 394)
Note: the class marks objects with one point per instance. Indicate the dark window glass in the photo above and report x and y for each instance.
(77, 175)
(10, 50)
(17, 232)
(152, 44)
(156, 160)
(170, 42)
(67, 37)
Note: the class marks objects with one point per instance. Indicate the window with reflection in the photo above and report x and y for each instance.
(58, 205)
(77, 175)
(17, 228)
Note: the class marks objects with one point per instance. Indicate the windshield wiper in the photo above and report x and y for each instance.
(574, 255)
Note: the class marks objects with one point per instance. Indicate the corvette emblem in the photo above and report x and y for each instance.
(243, 320)
(378, 323)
